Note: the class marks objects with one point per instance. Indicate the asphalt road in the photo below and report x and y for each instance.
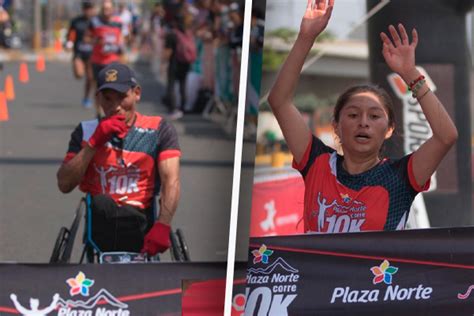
(33, 143)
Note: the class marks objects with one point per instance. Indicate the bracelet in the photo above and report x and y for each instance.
(414, 82)
(417, 87)
(423, 95)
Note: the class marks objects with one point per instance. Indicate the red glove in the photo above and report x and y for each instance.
(107, 128)
(157, 239)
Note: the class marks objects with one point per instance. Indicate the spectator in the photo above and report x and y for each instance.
(180, 50)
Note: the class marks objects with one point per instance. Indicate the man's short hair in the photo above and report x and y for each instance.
(87, 5)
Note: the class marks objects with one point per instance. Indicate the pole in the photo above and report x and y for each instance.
(37, 25)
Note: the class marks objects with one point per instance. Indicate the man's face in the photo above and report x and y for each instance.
(116, 103)
(89, 12)
(108, 9)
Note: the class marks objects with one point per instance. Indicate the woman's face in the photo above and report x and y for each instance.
(363, 125)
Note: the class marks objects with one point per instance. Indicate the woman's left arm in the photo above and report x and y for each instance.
(399, 55)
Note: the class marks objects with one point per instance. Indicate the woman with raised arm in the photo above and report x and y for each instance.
(359, 191)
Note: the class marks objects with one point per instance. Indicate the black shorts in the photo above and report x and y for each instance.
(118, 228)
(84, 56)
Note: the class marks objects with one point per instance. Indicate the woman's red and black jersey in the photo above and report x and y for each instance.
(337, 202)
(127, 169)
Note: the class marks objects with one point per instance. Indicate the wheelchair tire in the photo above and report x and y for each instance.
(59, 245)
(66, 255)
(176, 251)
(184, 245)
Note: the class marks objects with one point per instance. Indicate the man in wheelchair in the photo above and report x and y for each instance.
(122, 161)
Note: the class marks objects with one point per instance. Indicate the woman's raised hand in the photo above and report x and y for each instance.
(398, 52)
(316, 18)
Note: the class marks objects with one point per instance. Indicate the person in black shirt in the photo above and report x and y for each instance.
(82, 49)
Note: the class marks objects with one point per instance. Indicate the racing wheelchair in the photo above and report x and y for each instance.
(64, 243)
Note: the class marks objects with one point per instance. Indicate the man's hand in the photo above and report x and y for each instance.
(157, 239)
(107, 128)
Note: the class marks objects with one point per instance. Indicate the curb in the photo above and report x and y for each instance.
(12, 55)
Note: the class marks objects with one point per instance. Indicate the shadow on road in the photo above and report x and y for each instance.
(184, 162)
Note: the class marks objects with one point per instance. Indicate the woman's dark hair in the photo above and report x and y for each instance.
(378, 91)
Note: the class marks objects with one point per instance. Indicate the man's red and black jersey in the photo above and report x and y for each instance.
(107, 40)
(336, 201)
(127, 171)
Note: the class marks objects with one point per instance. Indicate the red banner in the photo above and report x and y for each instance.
(206, 298)
(277, 207)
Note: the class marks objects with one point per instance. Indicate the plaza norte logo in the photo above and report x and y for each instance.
(383, 275)
(272, 284)
(101, 303)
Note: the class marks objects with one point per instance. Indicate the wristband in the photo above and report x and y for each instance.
(412, 84)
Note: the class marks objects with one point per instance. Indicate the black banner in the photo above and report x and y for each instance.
(99, 290)
(418, 272)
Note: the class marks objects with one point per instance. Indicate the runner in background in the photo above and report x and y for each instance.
(82, 49)
(6, 28)
(105, 35)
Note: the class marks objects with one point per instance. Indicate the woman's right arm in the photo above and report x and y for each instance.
(294, 128)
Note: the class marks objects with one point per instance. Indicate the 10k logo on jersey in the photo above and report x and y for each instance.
(334, 217)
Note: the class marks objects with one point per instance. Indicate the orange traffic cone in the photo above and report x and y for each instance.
(24, 76)
(40, 64)
(9, 88)
(58, 46)
(3, 107)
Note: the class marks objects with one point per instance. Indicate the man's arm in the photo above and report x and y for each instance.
(70, 173)
(170, 189)
(71, 36)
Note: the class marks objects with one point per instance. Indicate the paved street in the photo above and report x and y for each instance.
(33, 143)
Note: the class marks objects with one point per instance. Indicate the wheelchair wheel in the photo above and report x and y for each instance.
(66, 255)
(176, 251)
(184, 245)
(59, 245)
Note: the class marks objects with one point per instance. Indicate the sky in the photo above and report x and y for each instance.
(346, 13)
